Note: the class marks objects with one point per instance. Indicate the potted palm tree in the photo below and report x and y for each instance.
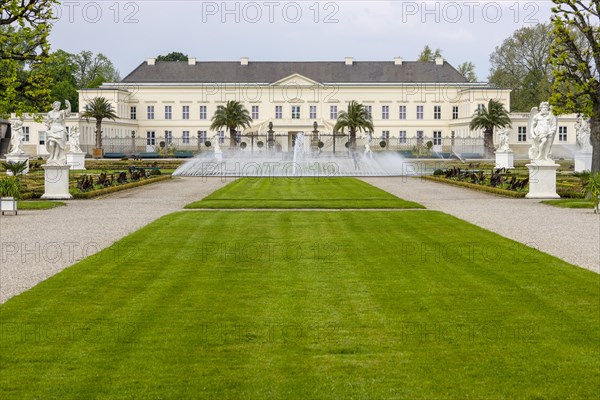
(231, 116)
(99, 108)
(494, 116)
(10, 192)
(356, 119)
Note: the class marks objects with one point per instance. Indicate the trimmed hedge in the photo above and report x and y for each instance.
(481, 188)
(118, 188)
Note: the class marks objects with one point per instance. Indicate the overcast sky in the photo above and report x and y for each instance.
(129, 32)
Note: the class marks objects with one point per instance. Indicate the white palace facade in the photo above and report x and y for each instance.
(410, 103)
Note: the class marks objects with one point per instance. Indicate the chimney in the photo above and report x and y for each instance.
(439, 61)
(244, 61)
(151, 61)
(397, 60)
(191, 60)
(348, 60)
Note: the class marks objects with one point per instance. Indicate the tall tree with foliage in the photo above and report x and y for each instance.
(24, 29)
(356, 119)
(99, 109)
(488, 118)
(428, 54)
(232, 116)
(575, 55)
(467, 69)
(173, 56)
(93, 70)
(61, 69)
(521, 63)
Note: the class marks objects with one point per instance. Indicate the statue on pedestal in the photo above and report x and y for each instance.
(74, 140)
(582, 130)
(16, 138)
(56, 136)
(504, 135)
(542, 126)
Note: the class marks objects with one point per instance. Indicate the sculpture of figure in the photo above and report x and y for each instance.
(74, 140)
(368, 138)
(543, 127)
(16, 138)
(216, 139)
(582, 129)
(504, 135)
(56, 136)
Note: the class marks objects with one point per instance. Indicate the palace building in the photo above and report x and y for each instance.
(411, 103)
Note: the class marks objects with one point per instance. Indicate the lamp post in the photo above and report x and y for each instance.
(270, 136)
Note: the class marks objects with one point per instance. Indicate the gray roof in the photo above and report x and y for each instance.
(272, 71)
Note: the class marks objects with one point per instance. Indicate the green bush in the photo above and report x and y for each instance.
(112, 189)
(438, 172)
(10, 186)
(481, 188)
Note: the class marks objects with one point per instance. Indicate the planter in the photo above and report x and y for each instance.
(8, 204)
(98, 153)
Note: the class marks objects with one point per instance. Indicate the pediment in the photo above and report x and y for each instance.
(295, 80)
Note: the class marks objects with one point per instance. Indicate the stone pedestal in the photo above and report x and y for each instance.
(56, 182)
(505, 159)
(76, 161)
(15, 158)
(583, 162)
(542, 180)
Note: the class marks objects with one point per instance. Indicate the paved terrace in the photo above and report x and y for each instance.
(38, 244)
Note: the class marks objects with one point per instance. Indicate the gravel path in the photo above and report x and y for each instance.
(569, 234)
(38, 244)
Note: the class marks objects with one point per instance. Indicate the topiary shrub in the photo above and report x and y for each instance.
(208, 143)
(382, 144)
(438, 172)
(260, 144)
(243, 145)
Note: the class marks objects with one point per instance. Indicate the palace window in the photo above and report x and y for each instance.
(419, 112)
(185, 137)
(369, 110)
(402, 137)
(402, 112)
(26, 134)
(454, 112)
(295, 112)
(278, 112)
(150, 112)
(385, 135)
(437, 112)
(221, 137)
(185, 112)
(169, 137)
(313, 112)
(255, 112)
(437, 138)
(333, 112)
(522, 134)
(168, 112)
(150, 138)
(133, 112)
(385, 112)
(202, 136)
(202, 112)
(562, 133)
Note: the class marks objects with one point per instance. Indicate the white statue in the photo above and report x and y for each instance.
(542, 126)
(582, 129)
(368, 138)
(504, 135)
(74, 140)
(56, 136)
(216, 139)
(16, 138)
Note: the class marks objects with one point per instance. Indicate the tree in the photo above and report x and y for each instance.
(494, 116)
(467, 69)
(575, 55)
(61, 69)
(429, 55)
(231, 116)
(356, 119)
(173, 56)
(24, 29)
(93, 70)
(99, 108)
(521, 63)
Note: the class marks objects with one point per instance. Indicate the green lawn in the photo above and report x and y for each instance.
(570, 203)
(339, 193)
(39, 205)
(306, 305)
